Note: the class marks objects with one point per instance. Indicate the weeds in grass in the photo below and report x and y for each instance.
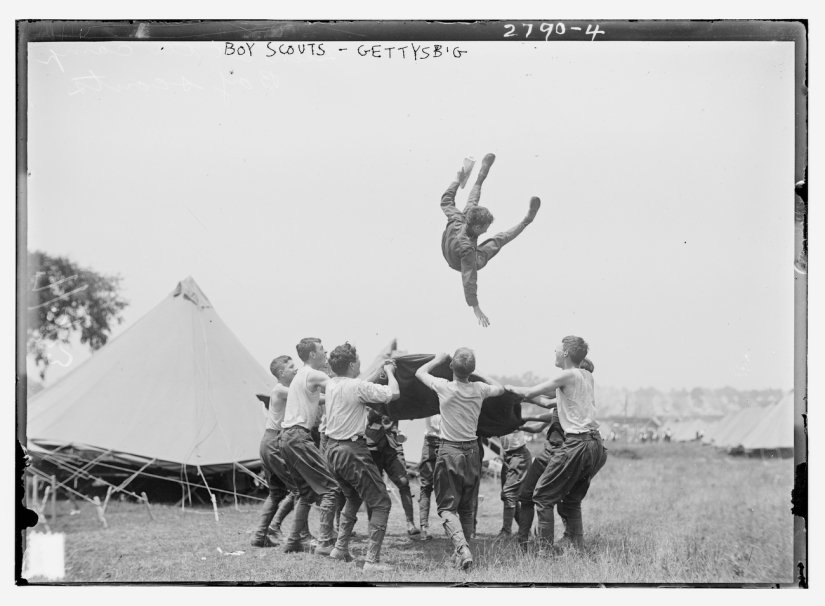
(674, 513)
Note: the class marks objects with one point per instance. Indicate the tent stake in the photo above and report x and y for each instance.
(148, 507)
(100, 511)
(214, 506)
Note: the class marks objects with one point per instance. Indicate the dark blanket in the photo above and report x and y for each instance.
(499, 415)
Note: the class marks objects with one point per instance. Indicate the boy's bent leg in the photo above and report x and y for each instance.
(284, 509)
(492, 246)
(564, 470)
(449, 487)
(277, 492)
(475, 192)
(468, 505)
(309, 469)
(526, 505)
(397, 472)
(448, 206)
(593, 458)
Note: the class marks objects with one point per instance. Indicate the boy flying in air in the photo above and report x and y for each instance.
(459, 243)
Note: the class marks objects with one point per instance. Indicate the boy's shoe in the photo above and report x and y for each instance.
(298, 546)
(568, 543)
(377, 567)
(275, 534)
(504, 535)
(486, 163)
(425, 534)
(535, 204)
(324, 550)
(338, 554)
(464, 558)
(411, 529)
(264, 542)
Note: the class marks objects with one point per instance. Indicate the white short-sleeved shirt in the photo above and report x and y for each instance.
(513, 440)
(577, 411)
(432, 426)
(346, 405)
(277, 408)
(460, 405)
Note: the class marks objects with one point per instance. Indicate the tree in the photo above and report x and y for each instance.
(64, 298)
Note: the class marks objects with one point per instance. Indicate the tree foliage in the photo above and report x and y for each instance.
(64, 298)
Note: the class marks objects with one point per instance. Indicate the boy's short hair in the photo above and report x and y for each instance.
(278, 364)
(341, 357)
(478, 215)
(576, 347)
(464, 362)
(306, 347)
(587, 365)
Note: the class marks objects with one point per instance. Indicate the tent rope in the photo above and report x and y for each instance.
(158, 477)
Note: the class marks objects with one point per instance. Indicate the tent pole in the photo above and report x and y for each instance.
(53, 511)
(234, 488)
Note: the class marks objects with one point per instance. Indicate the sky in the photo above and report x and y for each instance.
(302, 194)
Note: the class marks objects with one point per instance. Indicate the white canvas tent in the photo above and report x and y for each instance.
(745, 420)
(776, 429)
(175, 389)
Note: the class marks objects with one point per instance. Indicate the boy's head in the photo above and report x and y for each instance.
(464, 362)
(587, 365)
(312, 352)
(572, 348)
(283, 369)
(479, 220)
(344, 361)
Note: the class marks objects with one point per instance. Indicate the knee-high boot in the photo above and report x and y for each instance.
(377, 529)
(294, 542)
(326, 537)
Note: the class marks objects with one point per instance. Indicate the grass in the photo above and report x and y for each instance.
(658, 513)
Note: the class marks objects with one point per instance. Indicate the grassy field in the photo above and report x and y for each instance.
(659, 513)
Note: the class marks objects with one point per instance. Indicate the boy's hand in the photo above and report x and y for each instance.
(482, 319)
(442, 357)
(460, 176)
(389, 367)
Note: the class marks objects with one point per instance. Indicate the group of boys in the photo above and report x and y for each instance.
(345, 474)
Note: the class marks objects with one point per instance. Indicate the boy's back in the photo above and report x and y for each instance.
(460, 405)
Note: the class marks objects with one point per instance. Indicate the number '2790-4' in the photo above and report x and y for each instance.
(549, 28)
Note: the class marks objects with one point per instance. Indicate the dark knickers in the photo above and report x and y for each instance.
(356, 473)
(307, 467)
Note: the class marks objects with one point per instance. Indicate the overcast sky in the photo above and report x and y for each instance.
(302, 194)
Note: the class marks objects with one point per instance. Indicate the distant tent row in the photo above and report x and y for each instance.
(753, 429)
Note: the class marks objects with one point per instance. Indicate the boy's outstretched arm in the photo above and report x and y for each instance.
(543, 402)
(533, 428)
(545, 417)
(469, 279)
(318, 379)
(543, 389)
(498, 388)
(423, 373)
